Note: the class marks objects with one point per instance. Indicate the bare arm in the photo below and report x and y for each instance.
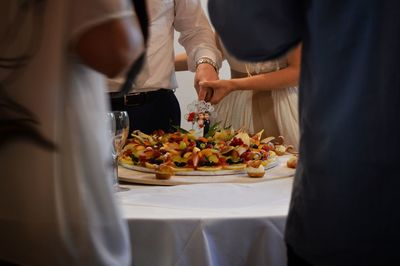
(111, 47)
(181, 62)
(284, 78)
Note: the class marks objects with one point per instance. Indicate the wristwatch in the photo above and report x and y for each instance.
(206, 60)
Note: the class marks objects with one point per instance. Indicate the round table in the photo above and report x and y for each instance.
(208, 224)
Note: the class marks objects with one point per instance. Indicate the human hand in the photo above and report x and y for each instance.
(204, 72)
(220, 89)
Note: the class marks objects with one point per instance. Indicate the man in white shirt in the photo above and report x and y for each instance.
(152, 104)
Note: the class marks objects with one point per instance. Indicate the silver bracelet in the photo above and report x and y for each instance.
(206, 60)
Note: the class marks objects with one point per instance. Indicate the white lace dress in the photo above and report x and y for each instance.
(274, 111)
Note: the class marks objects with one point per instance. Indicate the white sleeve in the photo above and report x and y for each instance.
(89, 13)
(196, 34)
(92, 227)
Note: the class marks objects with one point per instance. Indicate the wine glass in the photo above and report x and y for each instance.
(119, 126)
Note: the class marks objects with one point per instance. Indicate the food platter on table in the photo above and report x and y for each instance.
(137, 177)
(194, 172)
(219, 152)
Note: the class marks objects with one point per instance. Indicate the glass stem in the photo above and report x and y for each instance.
(115, 172)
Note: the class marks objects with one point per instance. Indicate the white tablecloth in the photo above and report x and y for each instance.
(208, 224)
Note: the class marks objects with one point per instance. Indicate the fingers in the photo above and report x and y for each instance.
(205, 74)
(202, 94)
(206, 84)
(205, 92)
(215, 99)
(209, 94)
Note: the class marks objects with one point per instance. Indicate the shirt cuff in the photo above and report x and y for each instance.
(203, 52)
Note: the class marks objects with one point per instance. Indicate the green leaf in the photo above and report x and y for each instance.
(179, 129)
(213, 128)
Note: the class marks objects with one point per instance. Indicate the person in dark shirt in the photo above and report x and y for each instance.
(344, 203)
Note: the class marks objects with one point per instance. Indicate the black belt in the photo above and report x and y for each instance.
(139, 98)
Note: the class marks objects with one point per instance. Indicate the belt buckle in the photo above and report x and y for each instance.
(140, 102)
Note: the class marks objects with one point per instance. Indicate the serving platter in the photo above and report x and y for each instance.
(196, 172)
(274, 170)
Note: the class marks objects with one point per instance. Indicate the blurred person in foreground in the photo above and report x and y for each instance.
(344, 203)
(56, 198)
(152, 104)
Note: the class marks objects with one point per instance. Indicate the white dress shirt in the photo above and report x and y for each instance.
(196, 36)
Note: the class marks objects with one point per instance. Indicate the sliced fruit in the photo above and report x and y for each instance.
(244, 137)
(126, 160)
(187, 155)
(182, 145)
(207, 152)
(195, 159)
(226, 149)
(267, 140)
(213, 158)
(240, 150)
(140, 147)
(257, 137)
(150, 165)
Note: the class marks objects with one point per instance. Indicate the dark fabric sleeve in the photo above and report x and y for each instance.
(257, 30)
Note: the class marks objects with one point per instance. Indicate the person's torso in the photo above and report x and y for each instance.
(56, 108)
(241, 68)
(247, 109)
(347, 179)
(159, 70)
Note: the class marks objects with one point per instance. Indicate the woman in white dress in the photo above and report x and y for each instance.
(260, 96)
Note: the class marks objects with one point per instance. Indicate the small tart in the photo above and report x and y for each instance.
(164, 171)
(255, 172)
(280, 150)
(163, 176)
(255, 169)
(292, 162)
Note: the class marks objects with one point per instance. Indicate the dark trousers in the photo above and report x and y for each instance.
(150, 111)
(294, 259)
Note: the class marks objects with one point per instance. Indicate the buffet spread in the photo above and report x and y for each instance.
(220, 152)
(205, 150)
